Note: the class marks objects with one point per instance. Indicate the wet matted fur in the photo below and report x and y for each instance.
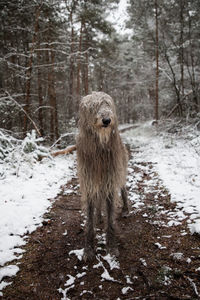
(102, 165)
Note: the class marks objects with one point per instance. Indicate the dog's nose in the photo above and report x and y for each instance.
(106, 121)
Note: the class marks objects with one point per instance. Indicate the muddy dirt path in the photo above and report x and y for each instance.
(158, 259)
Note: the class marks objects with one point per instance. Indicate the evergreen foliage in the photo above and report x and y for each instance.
(54, 52)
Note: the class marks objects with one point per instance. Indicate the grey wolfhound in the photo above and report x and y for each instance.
(102, 166)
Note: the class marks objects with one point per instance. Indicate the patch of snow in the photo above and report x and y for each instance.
(84, 223)
(188, 260)
(177, 255)
(195, 227)
(183, 233)
(8, 271)
(128, 280)
(177, 215)
(85, 292)
(111, 260)
(145, 215)
(143, 261)
(64, 292)
(68, 192)
(79, 253)
(176, 160)
(137, 205)
(167, 280)
(125, 290)
(79, 275)
(173, 223)
(69, 284)
(70, 281)
(98, 265)
(160, 246)
(193, 286)
(106, 276)
(3, 284)
(25, 196)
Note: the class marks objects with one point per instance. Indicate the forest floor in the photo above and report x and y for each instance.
(159, 258)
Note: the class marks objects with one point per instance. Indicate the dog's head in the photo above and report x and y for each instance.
(97, 114)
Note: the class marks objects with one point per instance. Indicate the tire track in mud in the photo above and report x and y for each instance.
(158, 259)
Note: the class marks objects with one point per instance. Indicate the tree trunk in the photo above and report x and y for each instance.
(40, 97)
(157, 63)
(192, 72)
(177, 91)
(29, 71)
(181, 49)
(54, 101)
(78, 87)
(86, 85)
(71, 78)
(52, 95)
(85, 77)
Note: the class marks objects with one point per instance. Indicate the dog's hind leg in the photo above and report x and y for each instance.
(125, 210)
(111, 232)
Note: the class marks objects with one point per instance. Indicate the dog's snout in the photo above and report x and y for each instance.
(106, 121)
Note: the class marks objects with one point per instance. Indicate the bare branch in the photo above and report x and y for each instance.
(21, 108)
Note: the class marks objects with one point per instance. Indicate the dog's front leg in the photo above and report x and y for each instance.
(89, 236)
(111, 232)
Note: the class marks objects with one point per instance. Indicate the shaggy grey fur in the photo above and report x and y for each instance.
(102, 165)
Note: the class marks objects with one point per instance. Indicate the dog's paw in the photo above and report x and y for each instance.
(125, 214)
(89, 254)
(114, 251)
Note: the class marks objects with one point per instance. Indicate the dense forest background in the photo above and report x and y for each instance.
(54, 52)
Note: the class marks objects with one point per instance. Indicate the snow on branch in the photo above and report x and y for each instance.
(21, 108)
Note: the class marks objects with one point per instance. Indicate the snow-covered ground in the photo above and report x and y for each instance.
(28, 186)
(26, 193)
(177, 160)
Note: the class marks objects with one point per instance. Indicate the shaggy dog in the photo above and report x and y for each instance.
(102, 163)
